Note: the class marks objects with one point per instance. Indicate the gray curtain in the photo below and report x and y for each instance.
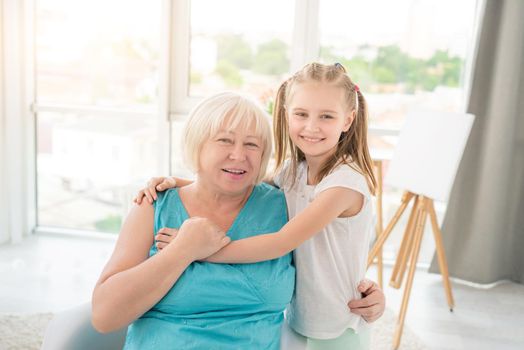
(483, 230)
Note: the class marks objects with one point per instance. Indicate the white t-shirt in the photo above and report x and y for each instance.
(330, 264)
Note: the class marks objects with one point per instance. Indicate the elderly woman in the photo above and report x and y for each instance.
(173, 299)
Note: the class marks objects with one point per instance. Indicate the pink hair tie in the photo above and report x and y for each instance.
(357, 89)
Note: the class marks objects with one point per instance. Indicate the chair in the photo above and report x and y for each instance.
(72, 329)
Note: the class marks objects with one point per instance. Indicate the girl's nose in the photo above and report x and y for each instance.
(311, 125)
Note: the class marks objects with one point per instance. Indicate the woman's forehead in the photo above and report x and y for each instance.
(239, 126)
(240, 131)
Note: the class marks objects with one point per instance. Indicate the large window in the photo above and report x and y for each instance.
(103, 93)
(97, 67)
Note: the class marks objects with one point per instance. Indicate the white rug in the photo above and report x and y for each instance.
(25, 332)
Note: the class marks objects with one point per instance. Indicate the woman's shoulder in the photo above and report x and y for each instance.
(270, 198)
(264, 191)
(166, 197)
(266, 210)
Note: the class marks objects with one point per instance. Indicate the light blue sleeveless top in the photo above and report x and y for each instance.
(221, 306)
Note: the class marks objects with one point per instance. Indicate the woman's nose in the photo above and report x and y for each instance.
(237, 153)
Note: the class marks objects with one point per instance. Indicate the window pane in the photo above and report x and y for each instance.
(410, 54)
(98, 52)
(246, 49)
(89, 168)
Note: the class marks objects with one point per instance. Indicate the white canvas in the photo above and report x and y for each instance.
(428, 153)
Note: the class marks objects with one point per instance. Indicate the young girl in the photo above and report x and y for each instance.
(320, 119)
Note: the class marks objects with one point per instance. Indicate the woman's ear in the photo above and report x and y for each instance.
(348, 120)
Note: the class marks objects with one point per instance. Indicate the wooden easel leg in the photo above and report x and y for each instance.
(419, 231)
(443, 265)
(405, 249)
(406, 197)
(380, 228)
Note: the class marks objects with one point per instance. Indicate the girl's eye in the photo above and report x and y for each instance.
(300, 114)
(326, 116)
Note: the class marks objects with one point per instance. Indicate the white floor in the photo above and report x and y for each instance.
(52, 273)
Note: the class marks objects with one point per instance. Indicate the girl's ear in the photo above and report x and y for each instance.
(348, 120)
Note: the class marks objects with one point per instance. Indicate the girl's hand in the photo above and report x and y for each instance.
(164, 236)
(199, 237)
(155, 184)
(373, 303)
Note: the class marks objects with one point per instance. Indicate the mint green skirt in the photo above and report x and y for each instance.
(349, 340)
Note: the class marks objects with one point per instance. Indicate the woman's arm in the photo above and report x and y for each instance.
(130, 283)
(372, 305)
(326, 207)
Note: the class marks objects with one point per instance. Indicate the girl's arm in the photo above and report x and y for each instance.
(326, 207)
(165, 183)
(159, 184)
(131, 283)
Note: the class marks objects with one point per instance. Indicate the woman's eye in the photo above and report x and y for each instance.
(224, 140)
(252, 145)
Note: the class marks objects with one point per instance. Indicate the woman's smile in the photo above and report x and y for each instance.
(235, 173)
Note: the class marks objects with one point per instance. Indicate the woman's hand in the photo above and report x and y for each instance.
(199, 237)
(372, 305)
(155, 184)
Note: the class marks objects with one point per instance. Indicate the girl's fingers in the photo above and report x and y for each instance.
(225, 241)
(148, 196)
(163, 238)
(138, 198)
(152, 192)
(160, 245)
(165, 184)
(168, 231)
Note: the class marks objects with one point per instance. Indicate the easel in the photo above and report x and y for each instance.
(377, 162)
(410, 248)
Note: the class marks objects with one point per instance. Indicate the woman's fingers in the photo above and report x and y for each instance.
(372, 305)
(365, 285)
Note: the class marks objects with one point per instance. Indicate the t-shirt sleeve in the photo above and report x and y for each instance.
(347, 177)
